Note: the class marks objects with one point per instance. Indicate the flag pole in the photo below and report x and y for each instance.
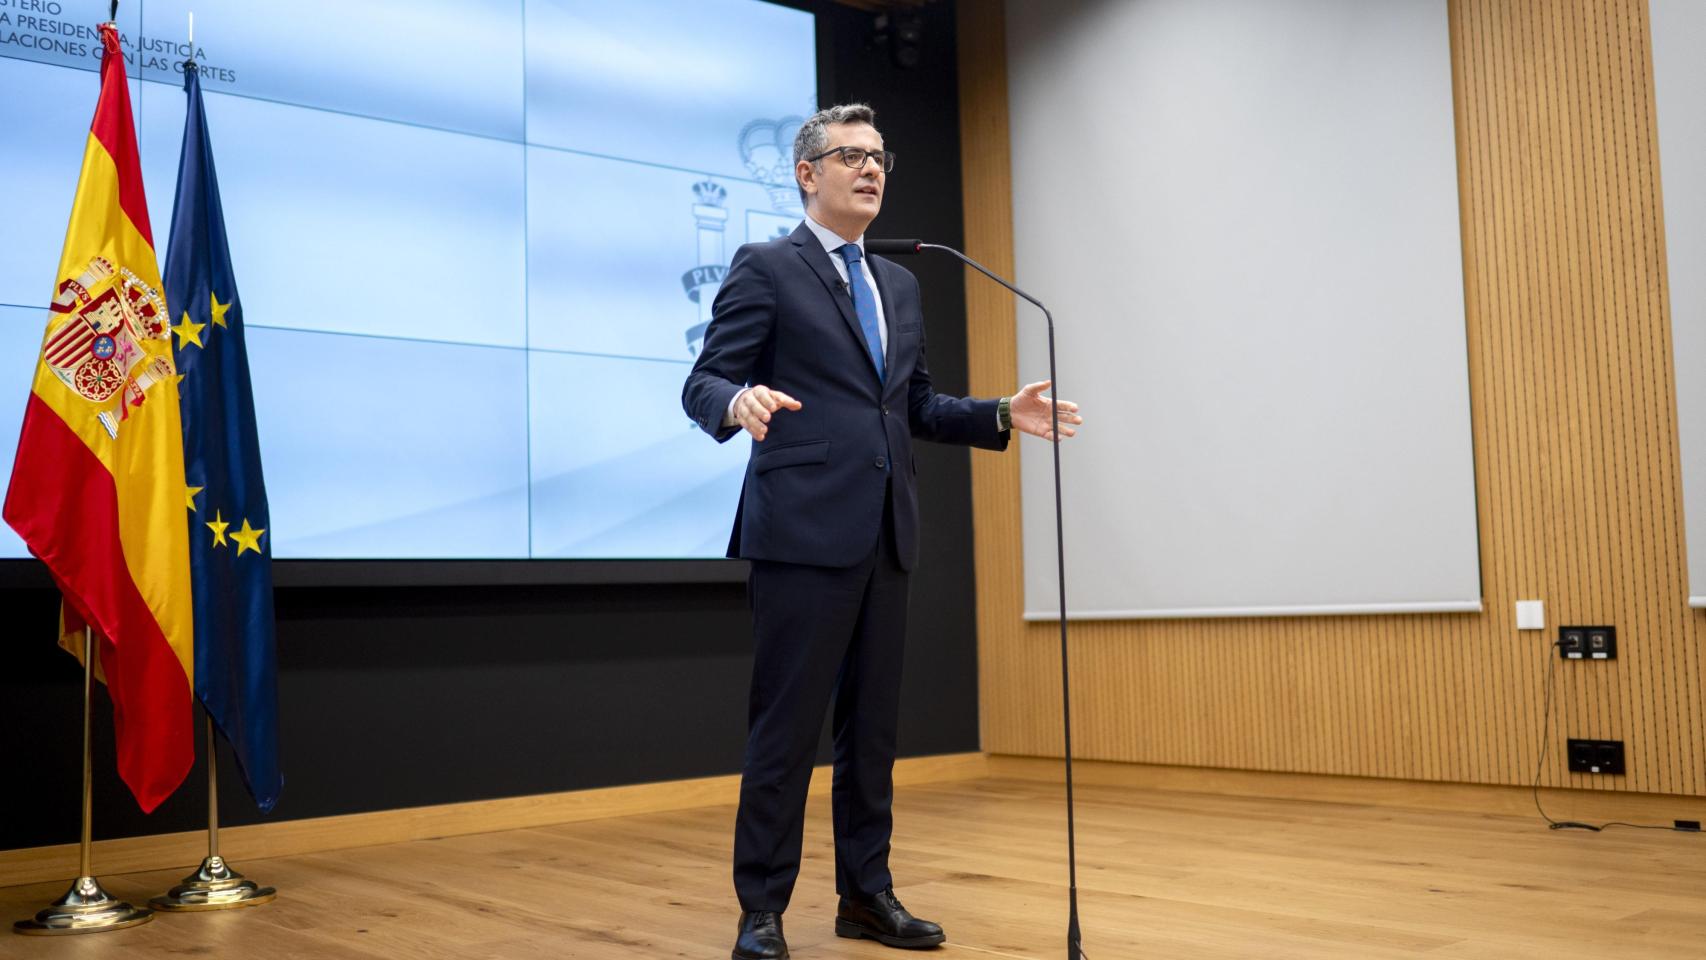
(214, 885)
(85, 908)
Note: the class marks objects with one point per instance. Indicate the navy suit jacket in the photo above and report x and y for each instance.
(815, 486)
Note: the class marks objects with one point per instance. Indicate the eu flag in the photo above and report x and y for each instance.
(236, 672)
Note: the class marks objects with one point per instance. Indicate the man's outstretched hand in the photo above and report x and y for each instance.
(754, 408)
(1031, 412)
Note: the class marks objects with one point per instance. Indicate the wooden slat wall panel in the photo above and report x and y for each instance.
(1577, 468)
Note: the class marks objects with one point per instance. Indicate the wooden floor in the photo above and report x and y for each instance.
(1164, 875)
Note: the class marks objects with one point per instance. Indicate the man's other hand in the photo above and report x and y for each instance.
(1031, 412)
(757, 405)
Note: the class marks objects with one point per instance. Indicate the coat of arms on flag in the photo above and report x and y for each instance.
(97, 348)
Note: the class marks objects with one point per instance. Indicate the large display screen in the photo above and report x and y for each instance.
(476, 245)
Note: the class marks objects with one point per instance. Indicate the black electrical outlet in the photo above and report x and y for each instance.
(1602, 643)
(1596, 756)
(1587, 643)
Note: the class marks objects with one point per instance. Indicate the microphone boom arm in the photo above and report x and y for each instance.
(1074, 950)
(980, 268)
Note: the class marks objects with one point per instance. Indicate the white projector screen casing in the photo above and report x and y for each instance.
(1244, 215)
(1679, 79)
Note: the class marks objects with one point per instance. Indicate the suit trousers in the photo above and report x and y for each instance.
(818, 632)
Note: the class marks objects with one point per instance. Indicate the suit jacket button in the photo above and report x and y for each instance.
(885, 411)
(881, 463)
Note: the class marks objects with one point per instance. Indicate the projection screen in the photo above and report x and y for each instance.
(1244, 215)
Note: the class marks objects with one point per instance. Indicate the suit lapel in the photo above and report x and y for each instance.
(812, 252)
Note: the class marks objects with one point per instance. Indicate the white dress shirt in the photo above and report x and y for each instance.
(832, 243)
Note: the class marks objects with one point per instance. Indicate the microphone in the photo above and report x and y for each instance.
(892, 248)
(1074, 936)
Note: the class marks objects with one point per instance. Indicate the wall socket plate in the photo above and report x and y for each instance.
(1587, 643)
(1595, 756)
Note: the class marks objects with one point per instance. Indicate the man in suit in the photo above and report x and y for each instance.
(817, 352)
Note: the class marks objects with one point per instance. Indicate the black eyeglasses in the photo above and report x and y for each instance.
(855, 157)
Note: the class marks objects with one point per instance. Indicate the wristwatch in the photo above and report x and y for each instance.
(1004, 413)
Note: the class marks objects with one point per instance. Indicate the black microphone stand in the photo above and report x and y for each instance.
(1074, 942)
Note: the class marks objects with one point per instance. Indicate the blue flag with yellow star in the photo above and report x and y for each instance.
(236, 667)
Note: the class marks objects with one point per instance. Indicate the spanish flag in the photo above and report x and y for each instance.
(98, 489)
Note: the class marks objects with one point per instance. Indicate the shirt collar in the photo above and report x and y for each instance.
(829, 238)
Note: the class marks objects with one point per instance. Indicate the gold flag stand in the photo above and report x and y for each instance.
(214, 885)
(85, 908)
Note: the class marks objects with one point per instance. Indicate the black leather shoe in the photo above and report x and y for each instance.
(884, 920)
(760, 937)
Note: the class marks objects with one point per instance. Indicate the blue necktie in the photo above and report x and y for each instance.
(864, 304)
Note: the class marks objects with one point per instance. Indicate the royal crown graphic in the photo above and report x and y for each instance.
(767, 149)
